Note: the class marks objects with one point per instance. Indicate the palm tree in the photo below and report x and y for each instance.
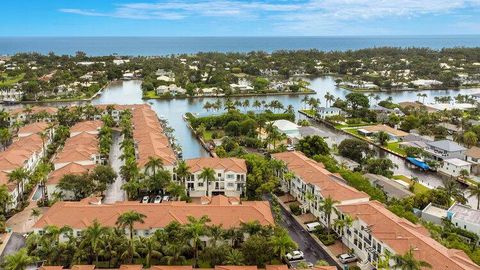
(474, 191)
(384, 261)
(327, 206)
(207, 175)
(93, 235)
(195, 229)
(174, 253)
(453, 190)
(5, 137)
(216, 233)
(288, 177)
(257, 104)
(128, 219)
(153, 164)
(18, 261)
(5, 198)
(282, 243)
(18, 176)
(183, 172)
(409, 262)
(35, 214)
(43, 135)
(149, 248)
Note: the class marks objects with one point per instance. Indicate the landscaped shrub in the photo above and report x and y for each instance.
(295, 209)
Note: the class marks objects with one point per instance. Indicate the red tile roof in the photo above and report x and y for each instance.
(158, 215)
(71, 168)
(313, 173)
(87, 126)
(401, 235)
(228, 164)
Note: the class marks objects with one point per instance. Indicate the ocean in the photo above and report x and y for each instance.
(151, 46)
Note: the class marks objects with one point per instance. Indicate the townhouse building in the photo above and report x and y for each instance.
(228, 212)
(230, 177)
(91, 127)
(25, 152)
(37, 128)
(82, 149)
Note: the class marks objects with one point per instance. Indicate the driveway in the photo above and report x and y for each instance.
(114, 192)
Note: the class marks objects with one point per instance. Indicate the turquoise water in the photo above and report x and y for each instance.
(176, 45)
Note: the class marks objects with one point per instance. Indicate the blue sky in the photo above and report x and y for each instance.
(238, 17)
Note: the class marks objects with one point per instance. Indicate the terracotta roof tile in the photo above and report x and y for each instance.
(78, 148)
(401, 235)
(71, 168)
(158, 215)
(228, 164)
(33, 128)
(87, 126)
(313, 173)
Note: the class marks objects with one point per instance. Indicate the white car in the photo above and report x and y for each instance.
(166, 198)
(290, 148)
(145, 199)
(158, 199)
(347, 258)
(295, 255)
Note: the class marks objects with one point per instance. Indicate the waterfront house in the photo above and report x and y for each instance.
(394, 134)
(22, 114)
(11, 94)
(376, 230)
(426, 83)
(445, 149)
(472, 155)
(324, 112)
(454, 166)
(230, 177)
(220, 209)
(287, 127)
(171, 89)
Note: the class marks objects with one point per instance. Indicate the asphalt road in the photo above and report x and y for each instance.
(15, 243)
(312, 251)
(114, 192)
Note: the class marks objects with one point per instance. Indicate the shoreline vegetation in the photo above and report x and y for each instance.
(33, 77)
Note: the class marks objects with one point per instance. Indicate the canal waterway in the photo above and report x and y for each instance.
(129, 92)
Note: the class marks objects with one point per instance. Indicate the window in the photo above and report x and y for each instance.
(230, 176)
(219, 175)
(230, 185)
(200, 184)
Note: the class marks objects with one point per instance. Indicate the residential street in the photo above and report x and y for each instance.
(114, 192)
(313, 252)
(16, 242)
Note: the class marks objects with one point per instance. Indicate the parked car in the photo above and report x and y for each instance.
(145, 199)
(290, 148)
(295, 255)
(347, 258)
(312, 226)
(158, 199)
(166, 198)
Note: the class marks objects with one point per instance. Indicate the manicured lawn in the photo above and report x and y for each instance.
(9, 81)
(395, 147)
(417, 189)
(309, 112)
(150, 94)
(354, 132)
(207, 135)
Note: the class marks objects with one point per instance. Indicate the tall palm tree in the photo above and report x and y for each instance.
(207, 175)
(282, 243)
(18, 261)
(384, 261)
(195, 229)
(128, 219)
(18, 176)
(153, 164)
(216, 233)
(474, 191)
(93, 235)
(43, 135)
(183, 172)
(408, 261)
(5, 198)
(35, 214)
(327, 207)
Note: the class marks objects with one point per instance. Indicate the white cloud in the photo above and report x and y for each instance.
(301, 15)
